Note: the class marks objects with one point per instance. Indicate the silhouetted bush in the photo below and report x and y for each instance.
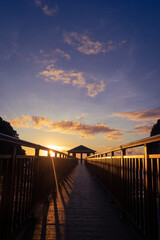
(7, 148)
(154, 148)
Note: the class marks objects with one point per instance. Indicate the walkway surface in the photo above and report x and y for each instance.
(81, 210)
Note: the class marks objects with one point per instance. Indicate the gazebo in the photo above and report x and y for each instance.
(81, 149)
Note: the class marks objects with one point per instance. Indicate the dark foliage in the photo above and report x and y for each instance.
(154, 148)
(7, 148)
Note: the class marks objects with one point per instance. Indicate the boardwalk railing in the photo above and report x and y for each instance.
(133, 181)
(27, 180)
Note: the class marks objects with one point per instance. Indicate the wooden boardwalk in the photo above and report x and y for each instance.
(81, 210)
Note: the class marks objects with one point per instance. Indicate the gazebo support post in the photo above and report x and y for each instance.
(81, 158)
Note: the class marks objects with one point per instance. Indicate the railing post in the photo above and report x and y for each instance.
(8, 197)
(36, 176)
(151, 228)
(123, 152)
(48, 153)
(111, 190)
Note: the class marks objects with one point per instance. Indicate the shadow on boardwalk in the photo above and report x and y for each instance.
(81, 210)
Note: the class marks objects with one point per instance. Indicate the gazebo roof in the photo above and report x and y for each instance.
(81, 149)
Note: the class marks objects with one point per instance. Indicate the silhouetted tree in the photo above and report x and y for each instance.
(154, 148)
(7, 148)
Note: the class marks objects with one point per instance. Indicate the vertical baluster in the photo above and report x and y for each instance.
(27, 188)
(128, 183)
(31, 186)
(134, 207)
(158, 189)
(123, 151)
(137, 191)
(24, 190)
(111, 170)
(16, 193)
(3, 225)
(131, 188)
(36, 175)
(141, 195)
(9, 198)
(150, 206)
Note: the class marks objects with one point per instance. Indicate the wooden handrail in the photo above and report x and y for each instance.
(17, 141)
(137, 143)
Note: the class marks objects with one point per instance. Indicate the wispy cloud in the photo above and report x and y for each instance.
(85, 45)
(49, 11)
(11, 47)
(142, 128)
(95, 88)
(68, 127)
(38, 2)
(46, 9)
(144, 115)
(63, 54)
(47, 58)
(73, 78)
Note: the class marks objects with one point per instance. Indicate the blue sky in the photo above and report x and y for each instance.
(80, 72)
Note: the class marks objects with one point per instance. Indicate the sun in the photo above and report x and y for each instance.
(55, 147)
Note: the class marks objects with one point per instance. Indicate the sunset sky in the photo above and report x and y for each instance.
(80, 72)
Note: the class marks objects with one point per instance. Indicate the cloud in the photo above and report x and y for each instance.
(145, 115)
(63, 54)
(38, 2)
(72, 77)
(81, 117)
(11, 47)
(68, 77)
(48, 11)
(94, 89)
(142, 128)
(85, 45)
(48, 58)
(68, 127)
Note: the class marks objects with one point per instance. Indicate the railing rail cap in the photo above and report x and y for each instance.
(14, 140)
(137, 143)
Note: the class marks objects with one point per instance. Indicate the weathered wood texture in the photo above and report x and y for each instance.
(81, 210)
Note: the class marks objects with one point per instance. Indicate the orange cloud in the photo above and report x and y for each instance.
(141, 115)
(142, 128)
(68, 127)
(48, 11)
(85, 45)
(72, 77)
(94, 89)
(63, 54)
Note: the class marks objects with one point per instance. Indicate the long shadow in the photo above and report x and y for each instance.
(29, 232)
(63, 201)
(67, 181)
(65, 189)
(56, 216)
(44, 220)
(70, 180)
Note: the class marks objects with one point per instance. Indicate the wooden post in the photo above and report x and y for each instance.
(151, 225)
(123, 152)
(8, 197)
(81, 158)
(36, 176)
(88, 154)
(112, 154)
